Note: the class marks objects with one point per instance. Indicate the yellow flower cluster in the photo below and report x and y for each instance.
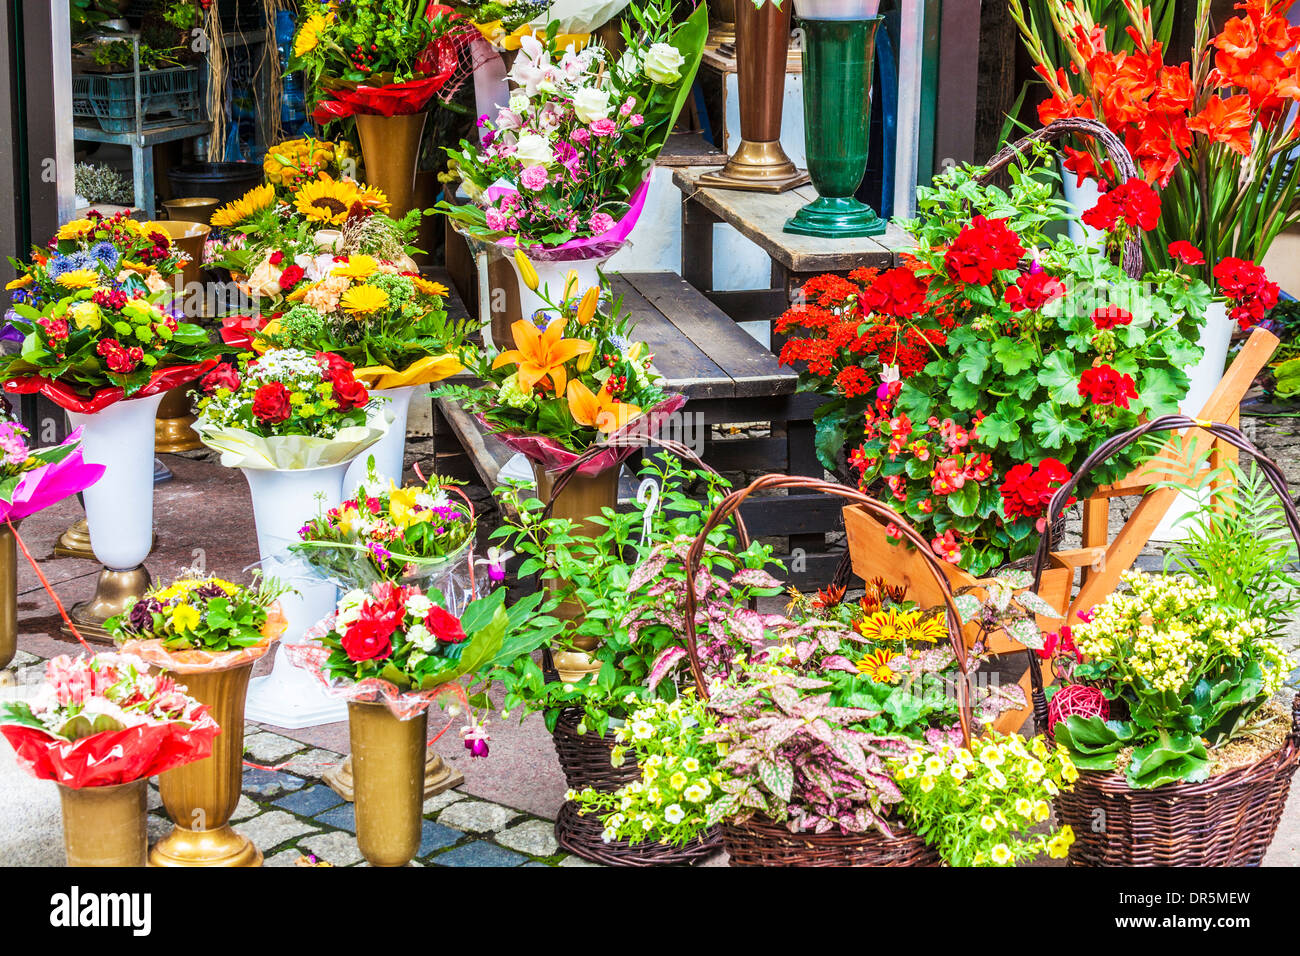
(288, 162)
(893, 625)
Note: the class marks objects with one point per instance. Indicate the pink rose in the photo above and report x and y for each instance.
(603, 127)
(533, 177)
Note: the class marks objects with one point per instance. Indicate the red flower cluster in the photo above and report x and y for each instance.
(982, 248)
(1250, 290)
(291, 276)
(1109, 316)
(120, 359)
(1026, 490)
(1105, 386)
(1183, 251)
(348, 392)
(370, 636)
(1034, 290)
(1134, 202)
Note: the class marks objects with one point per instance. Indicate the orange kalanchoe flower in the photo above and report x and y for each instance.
(542, 354)
(597, 410)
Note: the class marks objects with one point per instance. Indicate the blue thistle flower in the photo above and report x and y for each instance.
(106, 253)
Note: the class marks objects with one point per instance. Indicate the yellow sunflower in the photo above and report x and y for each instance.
(426, 287)
(74, 229)
(887, 625)
(326, 200)
(22, 282)
(137, 267)
(357, 267)
(308, 37)
(79, 279)
(247, 206)
(876, 666)
(364, 299)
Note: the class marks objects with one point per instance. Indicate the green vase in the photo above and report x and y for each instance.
(838, 56)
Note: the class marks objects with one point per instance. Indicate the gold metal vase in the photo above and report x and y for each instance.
(201, 796)
(172, 431)
(8, 596)
(390, 149)
(388, 777)
(105, 826)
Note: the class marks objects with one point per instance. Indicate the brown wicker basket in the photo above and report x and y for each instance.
(585, 757)
(760, 842)
(1228, 820)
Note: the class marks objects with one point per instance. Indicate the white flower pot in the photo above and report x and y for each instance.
(550, 280)
(283, 501)
(119, 507)
(1080, 199)
(836, 9)
(389, 452)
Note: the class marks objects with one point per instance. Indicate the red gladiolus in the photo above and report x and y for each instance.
(271, 404)
(1105, 386)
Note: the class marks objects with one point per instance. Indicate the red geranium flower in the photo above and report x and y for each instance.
(1186, 253)
(1109, 316)
(1134, 201)
(982, 248)
(1105, 386)
(897, 292)
(1026, 491)
(271, 404)
(1249, 289)
(1032, 292)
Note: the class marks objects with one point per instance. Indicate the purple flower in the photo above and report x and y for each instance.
(381, 553)
(476, 746)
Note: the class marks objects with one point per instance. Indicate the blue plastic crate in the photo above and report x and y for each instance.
(167, 97)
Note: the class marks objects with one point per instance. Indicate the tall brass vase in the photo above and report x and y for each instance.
(580, 498)
(171, 429)
(8, 596)
(390, 149)
(388, 776)
(105, 826)
(201, 796)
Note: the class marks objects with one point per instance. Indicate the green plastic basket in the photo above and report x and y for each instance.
(167, 97)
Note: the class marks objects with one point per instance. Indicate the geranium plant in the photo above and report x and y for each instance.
(1049, 348)
(202, 612)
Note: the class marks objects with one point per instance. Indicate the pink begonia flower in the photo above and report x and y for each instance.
(533, 177)
(603, 127)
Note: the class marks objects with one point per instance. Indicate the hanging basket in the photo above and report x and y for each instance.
(1228, 820)
(761, 842)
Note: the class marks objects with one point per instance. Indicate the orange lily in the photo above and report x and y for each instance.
(540, 354)
(597, 410)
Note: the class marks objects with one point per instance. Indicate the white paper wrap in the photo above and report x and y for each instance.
(241, 448)
(581, 16)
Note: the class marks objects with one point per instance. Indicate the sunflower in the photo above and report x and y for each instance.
(308, 37)
(22, 282)
(357, 267)
(326, 200)
(887, 625)
(258, 199)
(79, 279)
(74, 229)
(426, 287)
(364, 299)
(876, 666)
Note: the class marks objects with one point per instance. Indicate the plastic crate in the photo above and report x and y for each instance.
(167, 97)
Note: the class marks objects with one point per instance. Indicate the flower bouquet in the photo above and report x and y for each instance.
(33, 479)
(293, 163)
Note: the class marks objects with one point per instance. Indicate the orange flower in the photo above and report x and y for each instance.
(598, 410)
(542, 354)
(1225, 121)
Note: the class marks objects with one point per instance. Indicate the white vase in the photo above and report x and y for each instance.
(283, 501)
(551, 277)
(1081, 198)
(390, 451)
(119, 507)
(491, 88)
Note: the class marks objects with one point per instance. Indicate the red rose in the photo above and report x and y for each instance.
(1109, 316)
(223, 376)
(291, 276)
(349, 393)
(444, 625)
(1032, 292)
(364, 641)
(1105, 386)
(333, 365)
(271, 404)
(982, 248)
(1186, 253)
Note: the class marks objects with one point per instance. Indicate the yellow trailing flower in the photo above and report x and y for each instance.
(257, 199)
(363, 300)
(526, 270)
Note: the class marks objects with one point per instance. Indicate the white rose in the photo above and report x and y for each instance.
(534, 150)
(350, 608)
(420, 636)
(591, 104)
(663, 63)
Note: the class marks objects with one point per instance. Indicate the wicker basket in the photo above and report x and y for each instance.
(1228, 820)
(760, 842)
(585, 757)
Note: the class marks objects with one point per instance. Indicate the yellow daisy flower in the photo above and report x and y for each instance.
(325, 200)
(257, 199)
(364, 299)
(74, 229)
(876, 666)
(22, 282)
(887, 625)
(357, 267)
(928, 630)
(79, 279)
(427, 287)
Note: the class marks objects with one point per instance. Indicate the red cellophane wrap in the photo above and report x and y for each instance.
(114, 756)
(553, 456)
(402, 704)
(65, 396)
(199, 661)
(237, 330)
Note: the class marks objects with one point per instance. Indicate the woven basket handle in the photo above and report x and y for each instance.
(1116, 151)
(1103, 453)
(637, 441)
(729, 505)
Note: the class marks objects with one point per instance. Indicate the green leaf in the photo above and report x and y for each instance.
(965, 500)
(974, 362)
(1170, 759)
(1015, 356)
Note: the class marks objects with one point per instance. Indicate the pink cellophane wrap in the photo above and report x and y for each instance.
(113, 756)
(65, 396)
(48, 484)
(591, 247)
(553, 456)
(402, 704)
(199, 661)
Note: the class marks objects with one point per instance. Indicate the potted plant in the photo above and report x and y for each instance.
(100, 727)
(208, 633)
(292, 421)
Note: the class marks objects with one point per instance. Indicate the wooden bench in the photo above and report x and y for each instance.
(728, 378)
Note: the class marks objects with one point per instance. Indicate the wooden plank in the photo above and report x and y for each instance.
(689, 149)
(779, 515)
(750, 305)
(748, 454)
(487, 452)
(741, 357)
(761, 217)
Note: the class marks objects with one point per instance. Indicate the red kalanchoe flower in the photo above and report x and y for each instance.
(271, 404)
(1186, 253)
(1032, 292)
(981, 249)
(1109, 316)
(444, 625)
(1105, 386)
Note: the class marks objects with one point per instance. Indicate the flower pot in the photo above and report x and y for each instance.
(119, 507)
(551, 278)
(105, 826)
(1081, 197)
(201, 796)
(189, 238)
(8, 596)
(283, 501)
(390, 147)
(224, 182)
(388, 777)
(838, 57)
(172, 431)
(390, 451)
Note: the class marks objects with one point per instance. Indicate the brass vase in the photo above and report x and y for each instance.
(172, 431)
(762, 48)
(105, 826)
(388, 775)
(438, 777)
(722, 23)
(192, 208)
(8, 596)
(201, 796)
(188, 238)
(75, 542)
(579, 499)
(390, 149)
